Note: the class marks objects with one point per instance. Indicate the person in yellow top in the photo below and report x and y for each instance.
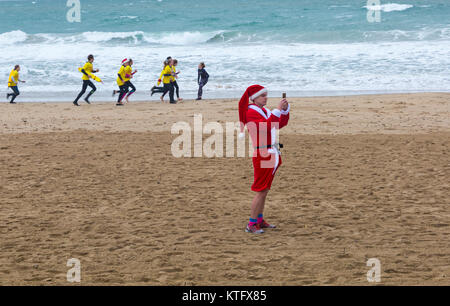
(13, 80)
(174, 79)
(129, 72)
(156, 89)
(166, 78)
(87, 71)
(122, 79)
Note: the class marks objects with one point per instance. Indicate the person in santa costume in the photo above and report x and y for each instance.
(262, 124)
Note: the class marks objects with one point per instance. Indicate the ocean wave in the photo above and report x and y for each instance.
(389, 7)
(140, 38)
(360, 66)
(13, 37)
(182, 38)
(424, 34)
(125, 38)
(102, 37)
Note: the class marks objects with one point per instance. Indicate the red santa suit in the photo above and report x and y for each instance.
(262, 125)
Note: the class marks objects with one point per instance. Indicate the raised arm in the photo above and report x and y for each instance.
(284, 119)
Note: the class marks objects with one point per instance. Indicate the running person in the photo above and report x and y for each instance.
(13, 80)
(122, 78)
(175, 77)
(173, 80)
(87, 71)
(166, 78)
(202, 79)
(262, 124)
(156, 89)
(129, 72)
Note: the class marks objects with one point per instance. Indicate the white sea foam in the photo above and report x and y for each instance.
(13, 37)
(309, 67)
(96, 37)
(135, 37)
(389, 7)
(196, 38)
(181, 38)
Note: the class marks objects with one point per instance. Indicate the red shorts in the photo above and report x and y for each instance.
(264, 171)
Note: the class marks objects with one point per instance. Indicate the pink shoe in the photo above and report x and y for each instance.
(254, 229)
(264, 224)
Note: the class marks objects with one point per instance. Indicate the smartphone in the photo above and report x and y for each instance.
(284, 95)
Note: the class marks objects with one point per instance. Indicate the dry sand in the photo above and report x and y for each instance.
(362, 177)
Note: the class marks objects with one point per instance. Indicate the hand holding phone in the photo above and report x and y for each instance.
(284, 103)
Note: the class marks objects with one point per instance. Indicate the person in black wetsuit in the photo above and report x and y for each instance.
(175, 84)
(203, 77)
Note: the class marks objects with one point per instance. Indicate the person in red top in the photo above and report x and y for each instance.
(262, 125)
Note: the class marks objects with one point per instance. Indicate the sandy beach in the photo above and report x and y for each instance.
(362, 177)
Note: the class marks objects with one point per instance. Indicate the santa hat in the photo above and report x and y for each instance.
(250, 93)
(125, 60)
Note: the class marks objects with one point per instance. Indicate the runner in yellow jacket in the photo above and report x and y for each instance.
(166, 77)
(174, 80)
(129, 72)
(122, 78)
(13, 80)
(88, 72)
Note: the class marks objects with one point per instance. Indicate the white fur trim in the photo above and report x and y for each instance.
(277, 162)
(273, 132)
(277, 113)
(256, 95)
(259, 110)
(275, 152)
(268, 111)
(286, 111)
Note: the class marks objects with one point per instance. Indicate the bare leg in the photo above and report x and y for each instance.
(258, 203)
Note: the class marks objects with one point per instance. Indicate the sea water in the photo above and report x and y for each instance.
(304, 48)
